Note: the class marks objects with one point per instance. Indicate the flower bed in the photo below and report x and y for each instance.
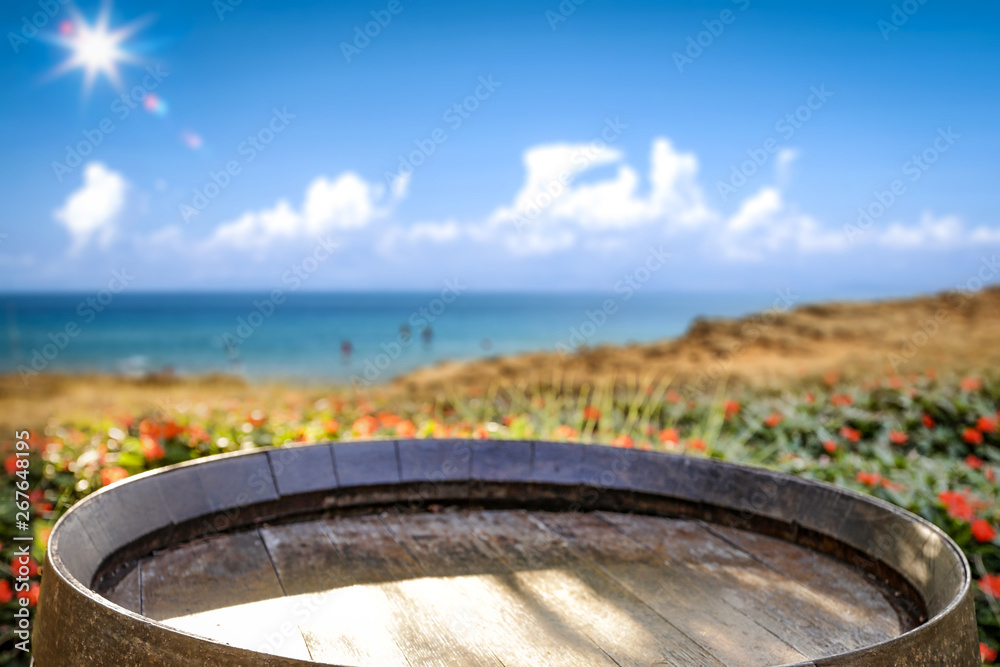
(928, 445)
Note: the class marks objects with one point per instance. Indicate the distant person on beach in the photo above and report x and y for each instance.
(232, 353)
(345, 350)
(404, 333)
(428, 335)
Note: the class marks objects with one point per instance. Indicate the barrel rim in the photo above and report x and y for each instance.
(59, 568)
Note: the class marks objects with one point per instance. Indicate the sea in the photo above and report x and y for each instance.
(331, 337)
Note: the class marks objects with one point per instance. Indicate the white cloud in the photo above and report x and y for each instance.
(557, 208)
(433, 232)
(552, 196)
(93, 210)
(344, 203)
(347, 202)
(985, 235)
(931, 232)
(783, 165)
(764, 224)
(535, 242)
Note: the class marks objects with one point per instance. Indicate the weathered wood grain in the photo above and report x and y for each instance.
(378, 562)
(224, 587)
(847, 592)
(551, 575)
(785, 607)
(127, 592)
(681, 596)
(474, 588)
(498, 588)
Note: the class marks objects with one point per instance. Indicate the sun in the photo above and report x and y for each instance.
(96, 49)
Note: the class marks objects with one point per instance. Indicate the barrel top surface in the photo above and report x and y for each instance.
(512, 587)
(496, 553)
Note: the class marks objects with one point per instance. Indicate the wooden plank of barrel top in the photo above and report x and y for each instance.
(456, 553)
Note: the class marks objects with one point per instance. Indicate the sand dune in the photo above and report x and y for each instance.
(948, 332)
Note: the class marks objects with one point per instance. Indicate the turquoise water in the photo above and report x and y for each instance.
(301, 337)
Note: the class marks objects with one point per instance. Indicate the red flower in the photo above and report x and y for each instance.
(898, 437)
(973, 462)
(406, 429)
(10, 464)
(986, 424)
(112, 475)
(841, 400)
(990, 584)
(481, 433)
(172, 430)
(983, 531)
(957, 504)
(565, 432)
(928, 421)
(697, 444)
(151, 449)
(831, 378)
(989, 475)
(388, 420)
(871, 479)
(732, 408)
(256, 418)
(810, 398)
(849, 433)
(972, 436)
(31, 594)
(971, 384)
(17, 563)
(623, 441)
(6, 593)
(150, 428)
(987, 653)
(669, 435)
(331, 426)
(773, 419)
(830, 446)
(197, 434)
(365, 426)
(673, 397)
(590, 413)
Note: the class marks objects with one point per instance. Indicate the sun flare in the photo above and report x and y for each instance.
(96, 49)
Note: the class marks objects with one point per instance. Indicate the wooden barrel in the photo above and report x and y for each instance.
(461, 552)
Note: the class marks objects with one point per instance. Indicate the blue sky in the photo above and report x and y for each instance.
(515, 194)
